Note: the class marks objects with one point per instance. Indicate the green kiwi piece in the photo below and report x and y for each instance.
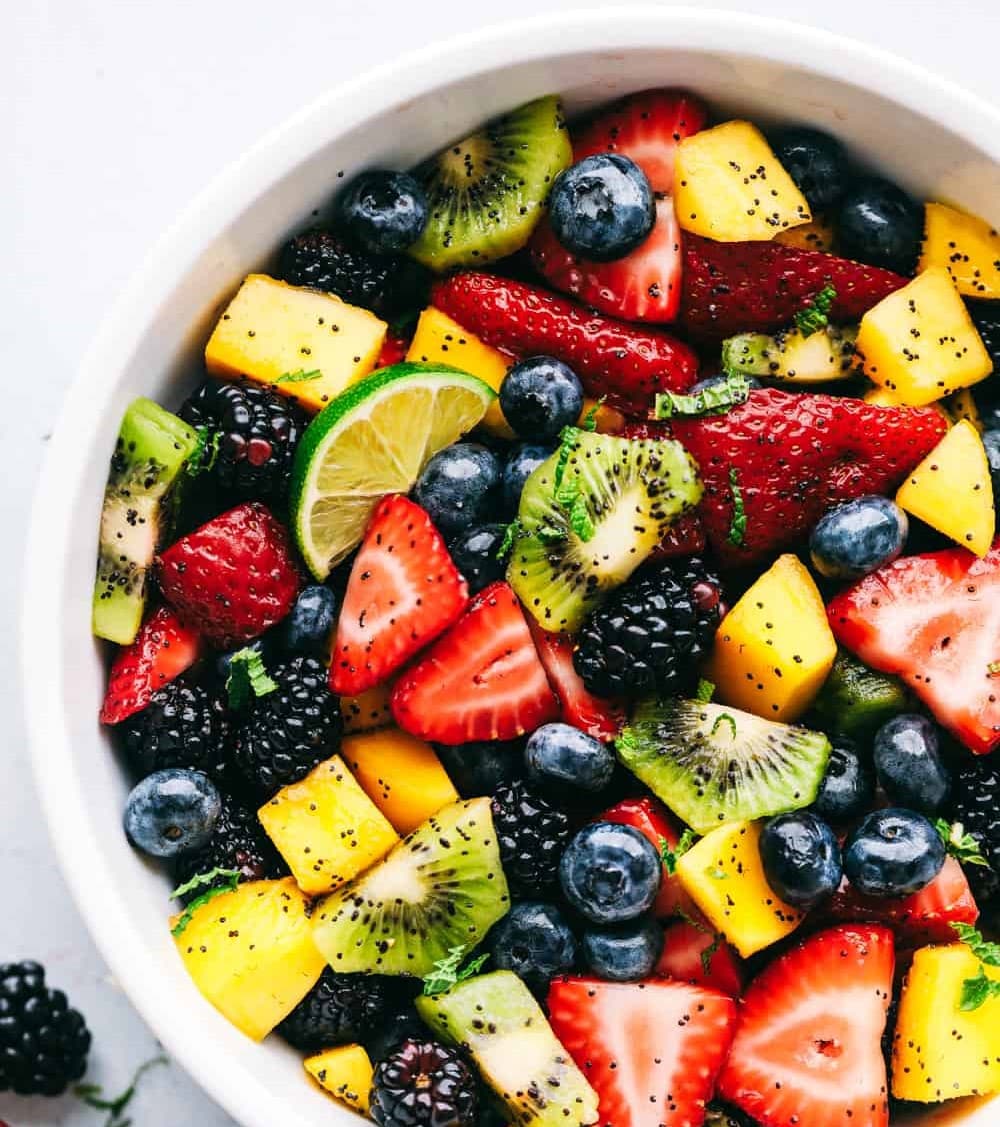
(497, 1021)
(151, 450)
(487, 191)
(589, 515)
(855, 700)
(440, 888)
(712, 764)
(789, 357)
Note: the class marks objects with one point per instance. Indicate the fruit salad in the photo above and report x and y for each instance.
(557, 644)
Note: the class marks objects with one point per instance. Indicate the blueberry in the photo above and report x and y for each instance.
(457, 486)
(816, 161)
(858, 537)
(801, 858)
(308, 626)
(541, 395)
(880, 224)
(602, 207)
(478, 769)
(991, 444)
(535, 942)
(623, 954)
(522, 462)
(908, 763)
(476, 555)
(561, 755)
(223, 661)
(893, 852)
(610, 873)
(385, 212)
(172, 812)
(848, 787)
(401, 1023)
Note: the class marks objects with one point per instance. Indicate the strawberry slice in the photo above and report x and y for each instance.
(693, 952)
(935, 621)
(643, 286)
(394, 348)
(162, 650)
(808, 1047)
(625, 363)
(482, 680)
(685, 537)
(651, 1050)
(402, 593)
(602, 719)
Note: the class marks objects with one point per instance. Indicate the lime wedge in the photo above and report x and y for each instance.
(374, 439)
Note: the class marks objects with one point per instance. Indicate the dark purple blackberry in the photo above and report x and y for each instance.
(182, 726)
(340, 1008)
(532, 835)
(43, 1043)
(386, 284)
(975, 802)
(986, 317)
(650, 634)
(424, 1083)
(256, 431)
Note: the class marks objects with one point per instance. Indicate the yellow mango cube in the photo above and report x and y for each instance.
(306, 344)
(774, 649)
(367, 711)
(966, 246)
(951, 490)
(724, 876)
(326, 828)
(819, 234)
(939, 1050)
(962, 405)
(251, 953)
(729, 186)
(345, 1072)
(920, 342)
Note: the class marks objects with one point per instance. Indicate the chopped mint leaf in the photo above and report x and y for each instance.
(962, 846)
(247, 677)
(626, 740)
(983, 949)
(716, 873)
(738, 526)
(816, 315)
(978, 991)
(709, 954)
(724, 718)
(447, 972)
(567, 440)
(579, 519)
(301, 376)
(230, 879)
(590, 419)
(670, 855)
(716, 399)
(92, 1095)
(549, 534)
(205, 453)
(705, 691)
(510, 535)
(698, 925)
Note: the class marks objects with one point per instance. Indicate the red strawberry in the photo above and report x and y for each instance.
(599, 718)
(646, 127)
(808, 1047)
(693, 953)
(162, 650)
(403, 592)
(685, 537)
(792, 457)
(935, 621)
(643, 286)
(482, 680)
(394, 348)
(758, 287)
(625, 363)
(233, 577)
(651, 1050)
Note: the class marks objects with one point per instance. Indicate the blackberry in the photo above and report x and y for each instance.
(386, 284)
(975, 802)
(531, 835)
(651, 633)
(182, 726)
(424, 1082)
(284, 734)
(256, 431)
(339, 1008)
(43, 1043)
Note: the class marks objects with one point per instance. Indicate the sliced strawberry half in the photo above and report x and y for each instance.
(651, 1050)
(394, 348)
(685, 537)
(482, 680)
(693, 952)
(402, 593)
(808, 1047)
(162, 650)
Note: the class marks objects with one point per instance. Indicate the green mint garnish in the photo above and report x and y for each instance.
(738, 525)
(978, 991)
(92, 1095)
(709, 954)
(716, 873)
(983, 949)
(247, 678)
(549, 534)
(567, 440)
(626, 741)
(510, 535)
(816, 315)
(448, 972)
(716, 399)
(301, 376)
(705, 691)
(205, 453)
(671, 855)
(590, 419)
(568, 495)
(962, 846)
(723, 718)
(579, 519)
(230, 879)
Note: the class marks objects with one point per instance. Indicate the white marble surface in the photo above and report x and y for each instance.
(113, 113)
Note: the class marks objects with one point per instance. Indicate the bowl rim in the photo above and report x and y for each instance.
(48, 547)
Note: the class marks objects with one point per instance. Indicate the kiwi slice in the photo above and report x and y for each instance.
(589, 515)
(855, 700)
(151, 449)
(440, 888)
(791, 358)
(486, 192)
(712, 764)
(497, 1021)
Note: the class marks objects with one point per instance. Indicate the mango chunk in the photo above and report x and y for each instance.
(920, 342)
(367, 711)
(962, 405)
(345, 1072)
(400, 774)
(940, 1051)
(729, 186)
(819, 234)
(774, 649)
(724, 876)
(326, 828)
(306, 344)
(250, 952)
(966, 246)
(951, 490)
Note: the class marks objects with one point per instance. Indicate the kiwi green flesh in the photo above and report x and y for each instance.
(151, 449)
(855, 700)
(486, 192)
(440, 888)
(496, 1019)
(790, 357)
(712, 764)
(632, 490)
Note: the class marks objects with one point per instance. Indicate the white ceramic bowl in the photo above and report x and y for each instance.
(927, 134)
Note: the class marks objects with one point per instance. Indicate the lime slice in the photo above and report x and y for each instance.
(374, 439)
